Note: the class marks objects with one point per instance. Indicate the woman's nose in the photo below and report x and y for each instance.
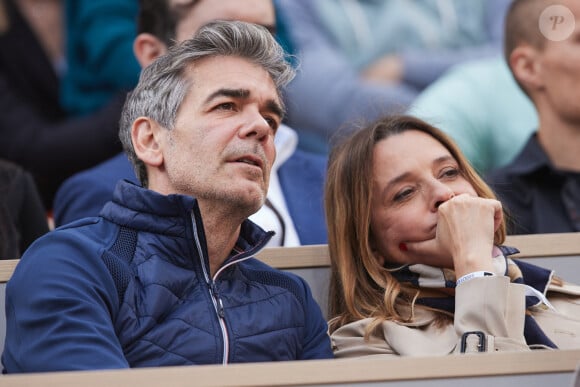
(441, 193)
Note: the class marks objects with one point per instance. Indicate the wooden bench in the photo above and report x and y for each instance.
(530, 369)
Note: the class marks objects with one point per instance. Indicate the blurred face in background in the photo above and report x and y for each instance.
(204, 11)
(559, 67)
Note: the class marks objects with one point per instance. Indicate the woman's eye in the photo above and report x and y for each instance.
(403, 194)
(450, 172)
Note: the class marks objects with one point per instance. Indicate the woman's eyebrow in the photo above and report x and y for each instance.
(443, 159)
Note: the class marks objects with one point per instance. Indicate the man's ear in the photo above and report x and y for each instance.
(147, 48)
(525, 64)
(147, 136)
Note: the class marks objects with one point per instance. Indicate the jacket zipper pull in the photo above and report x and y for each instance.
(221, 312)
(220, 304)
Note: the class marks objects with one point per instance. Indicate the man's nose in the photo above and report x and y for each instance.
(256, 125)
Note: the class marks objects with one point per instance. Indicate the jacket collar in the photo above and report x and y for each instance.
(145, 210)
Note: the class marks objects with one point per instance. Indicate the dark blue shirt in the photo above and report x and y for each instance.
(538, 197)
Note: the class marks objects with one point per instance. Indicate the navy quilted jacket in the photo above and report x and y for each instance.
(131, 288)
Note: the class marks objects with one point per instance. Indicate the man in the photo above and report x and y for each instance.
(541, 187)
(294, 205)
(166, 274)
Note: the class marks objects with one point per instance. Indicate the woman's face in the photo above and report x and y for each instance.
(413, 174)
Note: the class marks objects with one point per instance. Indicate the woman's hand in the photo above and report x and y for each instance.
(465, 232)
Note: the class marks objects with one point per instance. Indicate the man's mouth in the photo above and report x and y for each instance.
(251, 160)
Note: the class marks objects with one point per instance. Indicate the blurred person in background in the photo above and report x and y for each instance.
(361, 59)
(36, 132)
(22, 215)
(541, 187)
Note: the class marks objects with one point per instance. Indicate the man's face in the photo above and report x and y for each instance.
(221, 149)
(253, 11)
(559, 63)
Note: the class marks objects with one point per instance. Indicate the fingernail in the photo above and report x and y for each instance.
(403, 246)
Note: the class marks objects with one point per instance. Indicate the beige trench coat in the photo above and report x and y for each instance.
(492, 306)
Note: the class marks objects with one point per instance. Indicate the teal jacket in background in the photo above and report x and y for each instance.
(100, 59)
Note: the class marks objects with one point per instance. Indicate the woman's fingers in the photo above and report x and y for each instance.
(498, 214)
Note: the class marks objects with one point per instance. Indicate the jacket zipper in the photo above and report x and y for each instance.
(213, 290)
(214, 295)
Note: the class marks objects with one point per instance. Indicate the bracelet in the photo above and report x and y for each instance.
(475, 274)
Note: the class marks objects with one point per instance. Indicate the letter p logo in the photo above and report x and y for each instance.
(556, 20)
(557, 23)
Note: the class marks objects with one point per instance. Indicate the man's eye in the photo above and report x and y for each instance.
(226, 106)
(272, 122)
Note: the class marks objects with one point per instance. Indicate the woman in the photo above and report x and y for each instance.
(418, 266)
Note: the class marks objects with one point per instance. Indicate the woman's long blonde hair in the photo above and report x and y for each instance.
(360, 287)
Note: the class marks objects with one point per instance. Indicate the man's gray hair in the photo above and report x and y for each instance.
(163, 84)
